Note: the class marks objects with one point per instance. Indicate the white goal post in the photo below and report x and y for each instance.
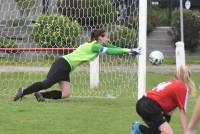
(180, 54)
(142, 44)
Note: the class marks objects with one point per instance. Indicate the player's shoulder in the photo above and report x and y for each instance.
(179, 84)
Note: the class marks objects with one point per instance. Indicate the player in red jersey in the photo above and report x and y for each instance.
(157, 106)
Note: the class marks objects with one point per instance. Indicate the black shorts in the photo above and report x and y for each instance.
(59, 71)
(151, 112)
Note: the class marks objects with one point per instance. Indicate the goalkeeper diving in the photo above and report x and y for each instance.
(62, 67)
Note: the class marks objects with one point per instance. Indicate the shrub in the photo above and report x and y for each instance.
(25, 6)
(152, 19)
(149, 26)
(156, 17)
(122, 36)
(153, 16)
(15, 23)
(175, 19)
(6, 43)
(55, 31)
(163, 16)
(88, 12)
(196, 12)
(131, 21)
(191, 29)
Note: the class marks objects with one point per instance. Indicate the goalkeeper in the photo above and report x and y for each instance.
(61, 68)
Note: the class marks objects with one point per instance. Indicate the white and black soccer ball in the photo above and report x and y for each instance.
(156, 57)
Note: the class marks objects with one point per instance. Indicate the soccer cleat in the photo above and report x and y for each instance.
(136, 128)
(19, 94)
(39, 97)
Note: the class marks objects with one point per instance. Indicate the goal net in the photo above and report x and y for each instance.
(33, 33)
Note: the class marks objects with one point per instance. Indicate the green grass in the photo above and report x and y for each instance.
(189, 60)
(48, 60)
(74, 115)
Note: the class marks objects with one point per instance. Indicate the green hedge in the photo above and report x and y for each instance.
(163, 17)
(122, 36)
(6, 43)
(149, 26)
(196, 12)
(152, 19)
(132, 21)
(55, 31)
(88, 12)
(15, 23)
(156, 17)
(191, 29)
(25, 6)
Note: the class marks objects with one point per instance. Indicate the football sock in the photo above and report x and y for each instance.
(52, 94)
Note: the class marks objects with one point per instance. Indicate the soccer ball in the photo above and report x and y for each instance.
(156, 57)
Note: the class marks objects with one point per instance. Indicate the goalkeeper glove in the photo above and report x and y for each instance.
(135, 51)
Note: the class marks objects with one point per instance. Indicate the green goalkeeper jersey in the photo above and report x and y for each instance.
(89, 51)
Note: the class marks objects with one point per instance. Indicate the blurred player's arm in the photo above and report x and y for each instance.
(195, 116)
(182, 94)
(183, 120)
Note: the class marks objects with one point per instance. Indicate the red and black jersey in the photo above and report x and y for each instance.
(169, 95)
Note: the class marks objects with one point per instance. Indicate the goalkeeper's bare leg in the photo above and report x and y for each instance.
(65, 88)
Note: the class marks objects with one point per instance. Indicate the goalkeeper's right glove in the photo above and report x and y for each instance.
(135, 51)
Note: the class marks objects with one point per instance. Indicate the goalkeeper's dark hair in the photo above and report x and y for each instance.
(96, 33)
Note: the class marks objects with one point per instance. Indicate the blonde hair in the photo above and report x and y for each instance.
(183, 75)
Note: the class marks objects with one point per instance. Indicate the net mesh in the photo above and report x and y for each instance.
(66, 24)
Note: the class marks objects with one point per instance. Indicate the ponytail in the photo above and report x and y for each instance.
(183, 75)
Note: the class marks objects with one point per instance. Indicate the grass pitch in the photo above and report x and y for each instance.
(75, 115)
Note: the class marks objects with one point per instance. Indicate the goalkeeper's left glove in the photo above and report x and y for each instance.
(135, 51)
